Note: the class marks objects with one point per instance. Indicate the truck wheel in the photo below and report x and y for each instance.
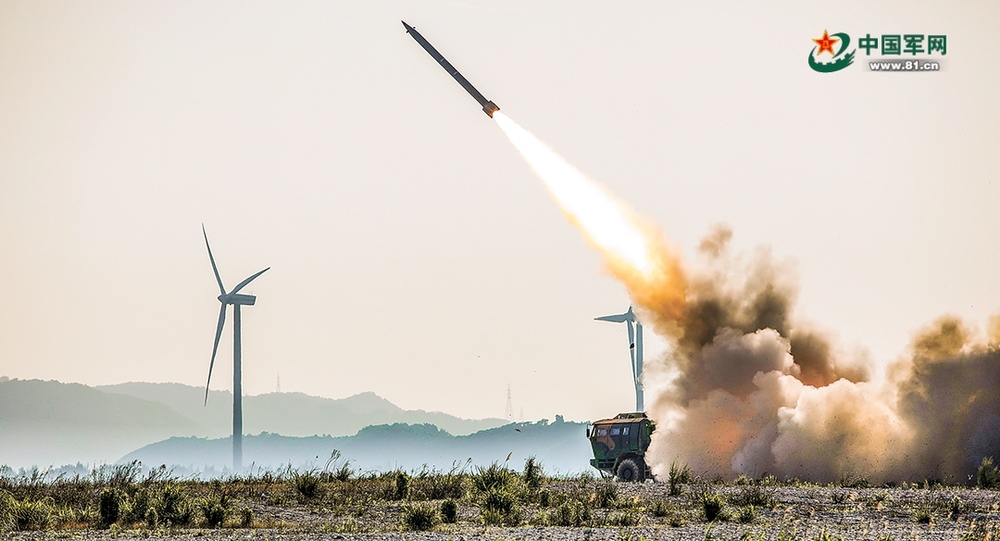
(629, 471)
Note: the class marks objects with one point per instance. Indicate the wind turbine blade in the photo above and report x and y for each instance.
(215, 348)
(215, 269)
(620, 318)
(631, 346)
(638, 349)
(247, 281)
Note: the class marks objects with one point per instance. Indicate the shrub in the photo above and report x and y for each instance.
(660, 508)
(879, 497)
(33, 515)
(852, 481)
(174, 506)
(533, 474)
(606, 494)
(754, 495)
(493, 477)
(342, 473)
(109, 507)
(987, 476)
(307, 483)
(500, 506)
(449, 511)
(923, 516)
(544, 498)
(420, 518)
(570, 513)
(434, 485)
(246, 517)
(214, 509)
(152, 518)
(540, 519)
(500, 499)
(679, 475)
(7, 503)
(746, 514)
(402, 486)
(335, 470)
(142, 502)
(712, 504)
(957, 507)
(622, 519)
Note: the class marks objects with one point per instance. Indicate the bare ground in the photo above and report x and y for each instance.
(639, 511)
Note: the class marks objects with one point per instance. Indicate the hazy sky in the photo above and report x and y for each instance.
(413, 252)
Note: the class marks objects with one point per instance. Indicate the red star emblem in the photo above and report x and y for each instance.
(825, 43)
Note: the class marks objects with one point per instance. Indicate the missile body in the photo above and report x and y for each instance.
(488, 106)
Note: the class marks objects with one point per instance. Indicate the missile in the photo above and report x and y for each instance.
(488, 106)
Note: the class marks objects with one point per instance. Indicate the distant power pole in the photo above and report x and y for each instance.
(520, 417)
(510, 406)
(279, 382)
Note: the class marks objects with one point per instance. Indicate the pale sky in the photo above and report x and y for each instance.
(413, 252)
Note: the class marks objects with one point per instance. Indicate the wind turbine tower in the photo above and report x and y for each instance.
(235, 299)
(634, 349)
(509, 413)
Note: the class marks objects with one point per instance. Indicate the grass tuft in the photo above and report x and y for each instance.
(449, 511)
(307, 483)
(533, 474)
(421, 517)
(109, 507)
(754, 495)
(402, 490)
(987, 476)
(606, 494)
(679, 475)
(712, 505)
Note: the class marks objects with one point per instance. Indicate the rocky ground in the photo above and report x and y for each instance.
(605, 511)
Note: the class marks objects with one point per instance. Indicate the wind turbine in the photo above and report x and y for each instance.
(236, 299)
(634, 349)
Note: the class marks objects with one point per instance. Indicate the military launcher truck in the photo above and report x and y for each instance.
(620, 445)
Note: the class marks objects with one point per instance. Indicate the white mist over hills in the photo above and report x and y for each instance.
(48, 423)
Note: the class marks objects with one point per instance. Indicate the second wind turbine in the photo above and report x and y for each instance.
(236, 299)
(634, 349)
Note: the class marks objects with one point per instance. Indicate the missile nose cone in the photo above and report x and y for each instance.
(406, 26)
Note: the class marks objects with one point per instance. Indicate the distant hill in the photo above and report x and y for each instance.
(291, 414)
(561, 446)
(47, 422)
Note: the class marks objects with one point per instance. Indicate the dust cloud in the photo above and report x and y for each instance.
(748, 389)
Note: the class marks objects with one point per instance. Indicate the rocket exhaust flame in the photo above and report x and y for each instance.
(589, 206)
(635, 251)
(746, 388)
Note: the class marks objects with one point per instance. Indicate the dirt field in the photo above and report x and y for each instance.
(307, 506)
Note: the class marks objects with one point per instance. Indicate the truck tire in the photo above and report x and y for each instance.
(629, 471)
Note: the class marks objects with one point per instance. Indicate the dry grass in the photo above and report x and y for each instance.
(461, 502)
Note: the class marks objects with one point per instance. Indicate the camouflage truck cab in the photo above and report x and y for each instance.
(620, 445)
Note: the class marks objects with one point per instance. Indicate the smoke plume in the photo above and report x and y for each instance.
(749, 388)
